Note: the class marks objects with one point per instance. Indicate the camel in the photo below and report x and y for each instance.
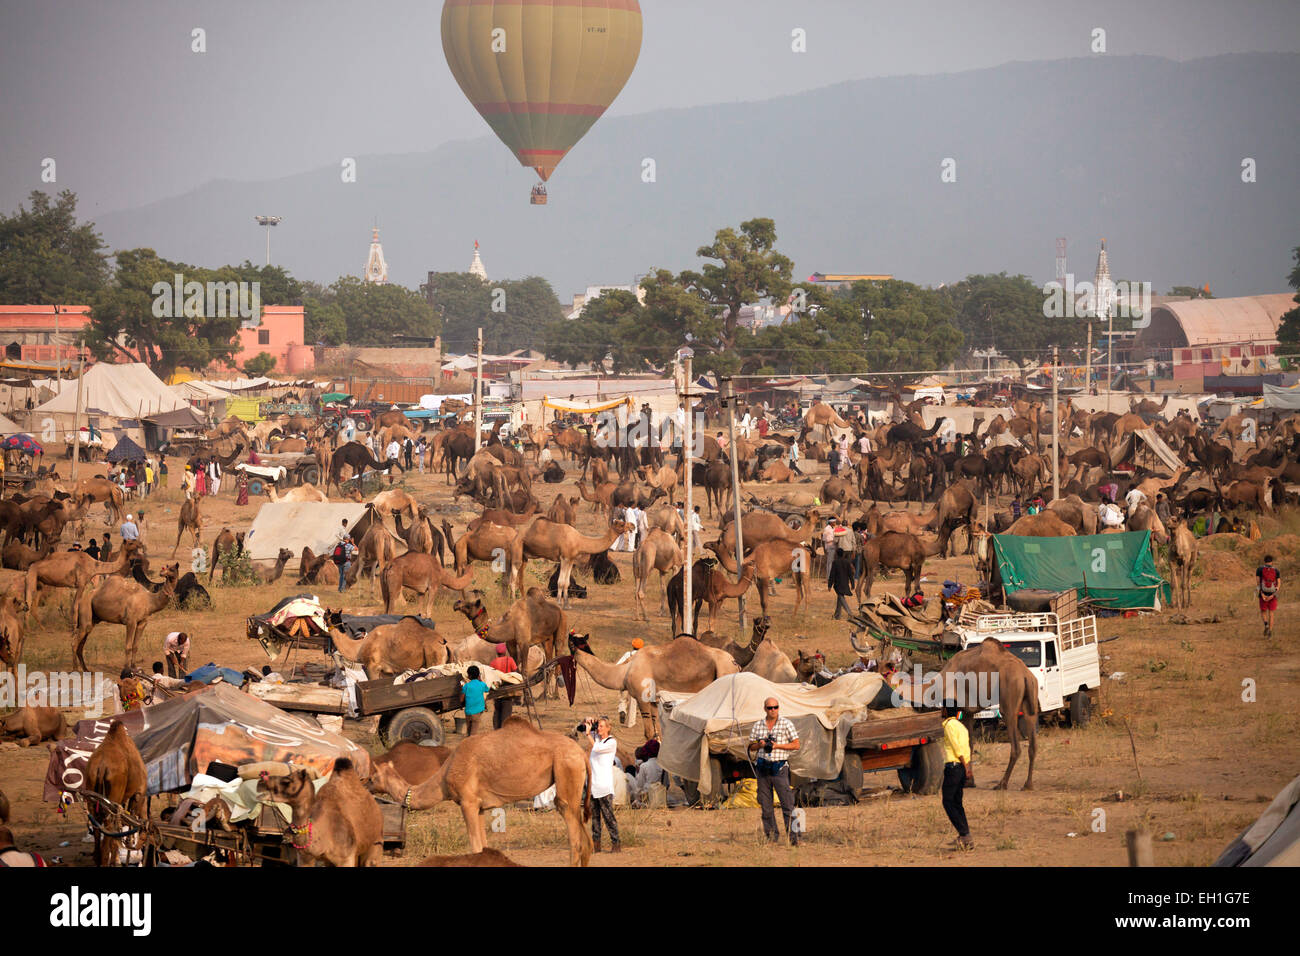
(1248, 494)
(304, 492)
(599, 495)
(340, 825)
(664, 479)
(375, 551)
(498, 768)
(758, 527)
(191, 520)
(395, 501)
(225, 542)
(668, 520)
(840, 489)
(502, 546)
(1045, 524)
(390, 649)
(562, 510)
(30, 725)
(356, 456)
(532, 620)
(772, 560)
(272, 574)
(658, 551)
(776, 471)
(19, 557)
(421, 573)
(474, 649)
(1182, 562)
(424, 535)
(13, 630)
(1017, 690)
(1075, 512)
(896, 549)
(414, 762)
(709, 584)
(95, 490)
(772, 663)
(823, 416)
(74, 569)
(684, 665)
(485, 857)
(120, 601)
(116, 772)
(563, 543)
(507, 519)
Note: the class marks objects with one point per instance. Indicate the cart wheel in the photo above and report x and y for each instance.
(255, 486)
(1080, 709)
(363, 424)
(415, 724)
(925, 776)
(311, 475)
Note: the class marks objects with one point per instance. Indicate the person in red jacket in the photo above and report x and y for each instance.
(1269, 581)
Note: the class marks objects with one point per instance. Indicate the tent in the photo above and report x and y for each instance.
(725, 711)
(1115, 570)
(1273, 839)
(123, 391)
(1278, 396)
(182, 736)
(298, 524)
(125, 450)
(1128, 447)
(8, 426)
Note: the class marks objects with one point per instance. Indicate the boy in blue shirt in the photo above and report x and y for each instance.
(475, 692)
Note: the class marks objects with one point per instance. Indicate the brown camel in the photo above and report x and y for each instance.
(74, 569)
(1182, 562)
(1045, 524)
(1248, 494)
(760, 526)
(507, 519)
(655, 551)
(823, 416)
(31, 725)
(562, 509)
(116, 772)
(897, 549)
(421, 573)
(269, 575)
(840, 489)
(664, 478)
(599, 496)
(414, 763)
(304, 492)
(191, 520)
(340, 825)
(19, 557)
(375, 551)
(485, 857)
(1017, 691)
(498, 768)
(563, 543)
(96, 490)
(1075, 512)
(683, 665)
(772, 560)
(120, 601)
(395, 501)
(13, 629)
(502, 546)
(532, 620)
(390, 649)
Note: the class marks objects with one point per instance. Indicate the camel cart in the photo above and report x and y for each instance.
(298, 468)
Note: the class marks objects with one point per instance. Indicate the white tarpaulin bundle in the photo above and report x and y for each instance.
(1277, 396)
(723, 714)
(123, 391)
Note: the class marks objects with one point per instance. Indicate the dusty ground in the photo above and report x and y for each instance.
(1207, 761)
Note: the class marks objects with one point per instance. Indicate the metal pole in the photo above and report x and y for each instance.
(478, 395)
(1110, 355)
(730, 398)
(76, 421)
(688, 625)
(268, 245)
(58, 364)
(1087, 374)
(1056, 427)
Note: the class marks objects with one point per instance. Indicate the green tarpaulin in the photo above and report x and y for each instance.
(330, 398)
(1114, 570)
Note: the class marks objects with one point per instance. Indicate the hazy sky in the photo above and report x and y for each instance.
(112, 91)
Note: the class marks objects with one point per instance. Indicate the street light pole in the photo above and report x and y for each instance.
(268, 221)
(1056, 426)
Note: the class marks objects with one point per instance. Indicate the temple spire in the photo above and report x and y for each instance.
(376, 267)
(476, 267)
(1103, 287)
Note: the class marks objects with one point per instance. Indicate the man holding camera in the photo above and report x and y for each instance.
(771, 742)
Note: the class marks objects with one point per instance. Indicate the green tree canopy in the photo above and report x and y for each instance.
(1007, 313)
(1288, 332)
(511, 312)
(47, 257)
(260, 364)
(374, 314)
(1192, 292)
(130, 317)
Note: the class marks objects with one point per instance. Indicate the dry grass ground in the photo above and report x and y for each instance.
(1208, 760)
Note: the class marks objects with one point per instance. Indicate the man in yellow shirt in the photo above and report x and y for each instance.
(957, 771)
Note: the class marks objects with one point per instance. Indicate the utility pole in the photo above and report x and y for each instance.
(58, 363)
(729, 399)
(1056, 425)
(688, 575)
(478, 395)
(76, 420)
(1087, 373)
(1110, 354)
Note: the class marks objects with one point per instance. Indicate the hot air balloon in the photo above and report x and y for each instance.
(541, 72)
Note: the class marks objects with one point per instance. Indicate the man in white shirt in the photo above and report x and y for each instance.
(394, 450)
(697, 528)
(1134, 500)
(603, 747)
(1110, 514)
(864, 444)
(948, 434)
(627, 540)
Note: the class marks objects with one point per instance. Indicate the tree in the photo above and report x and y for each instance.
(375, 314)
(611, 329)
(136, 317)
(46, 257)
(748, 270)
(510, 312)
(1008, 313)
(1192, 292)
(275, 285)
(1288, 332)
(259, 365)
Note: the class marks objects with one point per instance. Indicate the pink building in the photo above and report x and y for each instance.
(280, 332)
(37, 333)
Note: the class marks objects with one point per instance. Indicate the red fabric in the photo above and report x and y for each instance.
(1268, 603)
(505, 664)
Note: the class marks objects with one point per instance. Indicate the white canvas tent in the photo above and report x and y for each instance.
(1273, 839)
(724, 712)
(9, 427)
(298, 524)
(1282, 397)
(122, 391)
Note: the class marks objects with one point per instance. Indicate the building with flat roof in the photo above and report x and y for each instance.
(43, 333)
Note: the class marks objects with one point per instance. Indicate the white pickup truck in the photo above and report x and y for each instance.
(1061, 654)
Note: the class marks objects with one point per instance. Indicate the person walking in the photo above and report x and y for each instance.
(214, 476)
(828, 546)
(475, 692)
(841, 581)
(792, 456)
(1269, 581)
(344, 552)
(771, 742)
(408, 453)
(603, 746)
(958, 773)
(420, 449)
